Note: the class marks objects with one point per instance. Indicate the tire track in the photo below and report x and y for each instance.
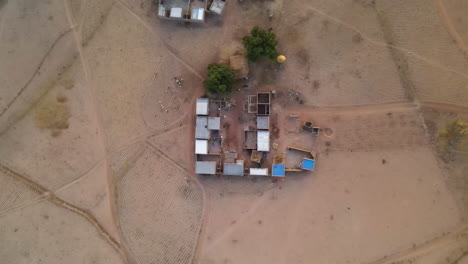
(450, 27)
(36, 71)
(58, 201)
(458, 235)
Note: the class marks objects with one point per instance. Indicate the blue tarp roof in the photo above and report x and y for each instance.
(308, 164)
(278, 170)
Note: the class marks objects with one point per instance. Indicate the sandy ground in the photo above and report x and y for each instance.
(341, 214)
(52, 235)
(125, 151)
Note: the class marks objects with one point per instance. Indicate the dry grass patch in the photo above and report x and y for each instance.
(453, 137)
(53, 115)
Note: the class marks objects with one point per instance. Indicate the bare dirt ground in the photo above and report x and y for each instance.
(353, 215)
(91, 115)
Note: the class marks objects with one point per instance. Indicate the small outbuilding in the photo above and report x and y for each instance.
(263, 122)
(250, 139)
(217, 6)
(214, 122)
(198, 14)
(202, 106)
(201, 129)
(308, 164)
(263, 104)
(205, 167)
(176, 12)
(201, 146)
(263, 141)
(234, 169)
(259, 171)
(279, 170)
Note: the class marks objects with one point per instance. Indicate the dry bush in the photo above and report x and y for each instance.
(61, 98)
(52, 115)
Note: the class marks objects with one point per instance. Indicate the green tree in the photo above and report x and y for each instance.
(260, 43)
(220, 79)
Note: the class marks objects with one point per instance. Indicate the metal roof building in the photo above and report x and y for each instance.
(279, 170)
(201, 146)
(205, 167)
(259, 171)
(217, 7)
(263, 122)
(198, 14)
(202, 106)
(214, 122)
(201, 129)
(234, 169)
(176, 12)
(263, 141)
(308, 164)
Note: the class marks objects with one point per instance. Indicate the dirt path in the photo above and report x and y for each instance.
(36, 71)
(56, 200)
(446, 107)
(445, 17)
(457, 236)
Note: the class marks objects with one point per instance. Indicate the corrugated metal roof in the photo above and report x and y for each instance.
(201, 146)
(234, 169)
(308, 164)
(279, 170)
(176, 12)
(202, 106)
(205, 167)
(263, 140)
(217, 6)
(263, 122)
(198, 14)
(201, 129)
(214, 123)
(259, 171)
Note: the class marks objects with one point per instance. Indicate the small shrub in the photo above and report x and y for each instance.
(52, 115)
(260, 43)
(220, 79)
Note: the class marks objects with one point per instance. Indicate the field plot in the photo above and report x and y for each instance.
(56, 140)
(159, 210)
(35, 39)
(436, 67)
(121, 159)
(123, 58)
(175, 144)
(324, 217)
(456, 21)
(337, 56)
(23, 20)
(46, 233)
(14, 193)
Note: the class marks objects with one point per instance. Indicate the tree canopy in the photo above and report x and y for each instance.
(220, 79)
(260, 43)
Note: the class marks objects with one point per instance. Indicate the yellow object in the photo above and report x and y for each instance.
(281, 58)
